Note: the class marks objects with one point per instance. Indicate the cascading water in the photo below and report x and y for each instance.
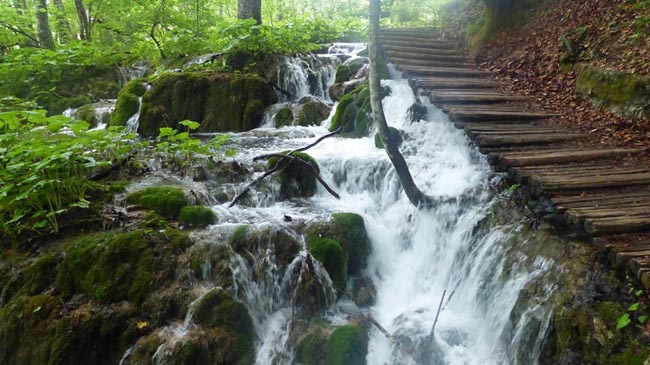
(417, 254)
(304, 75)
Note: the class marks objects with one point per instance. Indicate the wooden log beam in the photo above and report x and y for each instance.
(524, 139)
(601, 226)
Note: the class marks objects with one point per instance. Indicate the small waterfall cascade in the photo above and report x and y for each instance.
(304, 75)
(100, 113)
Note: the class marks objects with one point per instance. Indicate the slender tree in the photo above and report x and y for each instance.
(84, 21)
(250, 9)
(415, 196)
(43, 31)
(62, 24)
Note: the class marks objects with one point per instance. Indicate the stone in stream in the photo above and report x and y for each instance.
(312, 111)
(324, 345)
(220, 102)
(297, 179)
(128, 102)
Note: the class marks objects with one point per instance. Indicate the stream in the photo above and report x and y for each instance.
(483, 265)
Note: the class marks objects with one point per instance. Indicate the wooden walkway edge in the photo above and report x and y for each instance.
(596, 191)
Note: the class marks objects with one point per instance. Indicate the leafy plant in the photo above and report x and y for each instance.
(633, 311)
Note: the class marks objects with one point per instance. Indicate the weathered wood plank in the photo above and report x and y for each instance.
(602, 226)
(491, 115)
(442, 71)
(580, 199)
(542, 185)
(524, 139)
(419, 45)
(450, 63)
(423, 50)
(561, 157)
(474, 99)
(422, 56)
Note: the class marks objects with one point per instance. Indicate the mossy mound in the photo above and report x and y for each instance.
(220, 102)
(128, 102)
(354, 112)
(349, 230)
(284, 246)
(197, 216)
(283, 117)
(348, 69)
(624, 94)
(164, 200)
(331, 255)
(348, 346)
(395, 133)
(218, 309)
(297, 179)
(313, 348)
(312, 111)
(113, 266)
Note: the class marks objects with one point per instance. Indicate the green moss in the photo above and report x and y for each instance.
(313, 348)
(396, 136)
(283, 117)
(126, 106)
(136, 87)
(87, 114)
(239, 234)
(634, 354)
(220, 102)
(348, 346)
(284, 246)
(354, 113)
(296, 179)
(116, 266)
(331, 255)
(164, 200)
(345, 71)
(197, 216)
(312, 113)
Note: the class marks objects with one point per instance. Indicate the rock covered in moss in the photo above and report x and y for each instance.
(220, 102)
(297, 179)
(624, 94)
(217, 308)
(128, 102)
(164, 200)
(312, 111)
(313, 347)
(364, 291)
(197, 216)
(395, 133)
(283, 117)
(330, 254)
(354, 112)
(323, 345)
(283, 246)
(348, 69)
(349, 230)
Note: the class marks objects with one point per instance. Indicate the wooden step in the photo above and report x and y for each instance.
(579, 199)
(416, 44)
(601, 226)
(443, 83)
(469, 98)
(492, 115)
(542, 184)
(409, 62)
(442, 71)
(422, 51)
(558, 156)
(426, 57)
(524, 139)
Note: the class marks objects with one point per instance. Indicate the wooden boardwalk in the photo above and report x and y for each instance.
(595, 191)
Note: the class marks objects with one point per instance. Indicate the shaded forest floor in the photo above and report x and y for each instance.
(526, 58)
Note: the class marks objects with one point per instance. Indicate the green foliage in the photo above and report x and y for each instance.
(197, 216)
(45, 165)
(164, 200)
(634, 311)
(331, 255)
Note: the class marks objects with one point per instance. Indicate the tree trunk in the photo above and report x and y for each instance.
(250, 9)
(415, 196)
(45, 39)
(497, 11)
(63, 25)
(84, 22)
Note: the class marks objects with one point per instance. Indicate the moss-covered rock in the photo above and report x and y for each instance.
(354, 112)
(395, 133)
(220, 102)
(624, 94)
(164, 200)
(349, 68)
(313, 348)
(197, 216)
(348, 345)
(297, 179)
(312, 111)
(117, 266)
(128, 102)
(349, 230)
(331, 255)
(284, 246)
(283, 117)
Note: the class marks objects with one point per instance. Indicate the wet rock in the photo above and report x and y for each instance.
(348, 345)
(164, 200)
(93, 114)
(336, 91)
(128, 102)
(397, 137)
(349, 69)
(283, 117)
(220, 102)
(297, 179)
(197, 216)
(284, 247)
(210, 261)
(417, 112)
(312, 111)
(313, 347)
(354, 113)
(312, 292)
(331, 255)
(364, 291)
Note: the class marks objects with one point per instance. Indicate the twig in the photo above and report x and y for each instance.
(435, 321)
(313, 171)
(260, 178)
(305, 148)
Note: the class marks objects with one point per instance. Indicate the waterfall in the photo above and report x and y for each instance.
(304, 75)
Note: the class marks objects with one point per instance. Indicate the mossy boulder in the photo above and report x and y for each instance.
(114, 266)
(220, 102)
(349, 230)
(297, 179)
(348, 345)
(197, 216)
(283, 117)
(395, 133)
(346, 70)
(312, 111)
(354, 112)
(624, 94)
(330, 254)
(217, 308)
(164, 200)
(284, 246)
(313, 347)
(128, 102)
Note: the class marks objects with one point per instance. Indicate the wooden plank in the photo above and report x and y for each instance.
(474, 99)
(409, 62)
(603, 203)
(510, 115)
(423, 50)
(524, 139)
(422, 56)
(442, 71)
(539, 184)
(602, 226)
(623, 258)
(579, 218)
(455, 83)
(418, 45)
(559, 157)
(573, 199)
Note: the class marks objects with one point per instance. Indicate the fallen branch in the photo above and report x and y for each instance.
(435, 321)
(280, 165)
